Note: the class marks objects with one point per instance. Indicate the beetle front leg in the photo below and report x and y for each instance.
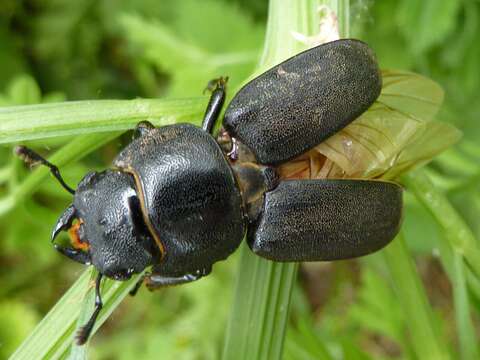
(31, 158)
(217, 86)
(85, 331)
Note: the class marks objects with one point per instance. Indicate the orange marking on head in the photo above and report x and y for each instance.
(77, 243)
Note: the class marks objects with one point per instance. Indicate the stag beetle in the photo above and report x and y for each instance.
(177, 199)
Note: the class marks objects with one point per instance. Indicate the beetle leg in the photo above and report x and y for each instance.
(214, 83)
(84, 332)
(139, 284)
(31, 158)
(156, 281)
(142, 128)
(254, 181)
(217, 86)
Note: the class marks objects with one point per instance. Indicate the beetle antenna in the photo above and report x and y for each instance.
(31, 158)
(84, 332)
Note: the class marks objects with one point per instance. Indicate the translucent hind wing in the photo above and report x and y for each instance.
(394, 133)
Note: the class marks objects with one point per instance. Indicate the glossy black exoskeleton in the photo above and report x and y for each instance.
(176, 201)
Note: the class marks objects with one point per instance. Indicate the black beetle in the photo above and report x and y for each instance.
(178, 200)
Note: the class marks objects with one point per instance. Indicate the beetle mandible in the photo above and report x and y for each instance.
(178, 200)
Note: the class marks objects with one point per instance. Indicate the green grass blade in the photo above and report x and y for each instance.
(454, 227)
(466, 331)
(304, 343)
(260, 309)
(422, 332)
(53, 336)
(460, 246)
(28, 122)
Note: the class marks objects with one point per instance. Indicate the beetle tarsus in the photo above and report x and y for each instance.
(216, 83)
(84, 332)
(31, 158)
(142, 128)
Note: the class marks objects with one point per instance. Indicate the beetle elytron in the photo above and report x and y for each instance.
(177, 200)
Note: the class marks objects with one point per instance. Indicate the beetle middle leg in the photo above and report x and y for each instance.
(154, 281)
(215, 104)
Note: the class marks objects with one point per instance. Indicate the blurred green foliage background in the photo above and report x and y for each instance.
(53, 50)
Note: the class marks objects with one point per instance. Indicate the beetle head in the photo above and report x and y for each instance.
(106, 226)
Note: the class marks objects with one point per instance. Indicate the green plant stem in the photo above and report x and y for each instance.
(422, 332)
(260, 311)
(20, 123)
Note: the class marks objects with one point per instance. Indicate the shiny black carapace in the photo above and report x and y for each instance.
(177, 199)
